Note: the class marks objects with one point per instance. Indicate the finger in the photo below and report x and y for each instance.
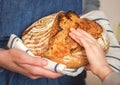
(89, 38)
(86, 34)
(82, 34)
(22, 70)
(35, 72)
(24, 58)
(33, 77)
(42, 72)
(81, 38)
(90, 45)
(75, 38)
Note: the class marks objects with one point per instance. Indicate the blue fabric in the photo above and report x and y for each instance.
(10, 78)
(15, 17)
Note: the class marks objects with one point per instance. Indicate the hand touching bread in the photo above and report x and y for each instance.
(20, 62)
(95, 54)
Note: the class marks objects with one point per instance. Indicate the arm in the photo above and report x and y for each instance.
(94, 53)
(18, 61)
(113, 54)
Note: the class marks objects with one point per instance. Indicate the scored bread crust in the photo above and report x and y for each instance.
(49, 37)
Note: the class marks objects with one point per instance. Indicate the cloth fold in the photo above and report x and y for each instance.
(16, 42)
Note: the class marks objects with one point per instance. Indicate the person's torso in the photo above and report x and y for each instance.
(17, 15)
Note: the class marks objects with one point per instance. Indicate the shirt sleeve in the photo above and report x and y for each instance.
(113, 54)
(112, 79)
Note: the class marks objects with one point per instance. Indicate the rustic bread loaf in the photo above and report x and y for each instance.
(48, 37)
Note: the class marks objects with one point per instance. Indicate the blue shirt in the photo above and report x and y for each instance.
(15, 17)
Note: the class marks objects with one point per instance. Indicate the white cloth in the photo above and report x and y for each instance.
(113, 54)
(15, 42)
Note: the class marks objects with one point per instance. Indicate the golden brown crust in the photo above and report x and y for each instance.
(54, 43)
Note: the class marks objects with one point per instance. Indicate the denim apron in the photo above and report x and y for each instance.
(15, 17)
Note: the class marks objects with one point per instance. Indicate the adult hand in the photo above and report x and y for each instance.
(19, 61)
(95, 54)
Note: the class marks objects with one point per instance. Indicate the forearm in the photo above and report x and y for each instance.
(104, 72)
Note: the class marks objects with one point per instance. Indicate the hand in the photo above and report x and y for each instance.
(95, 54)
(19, 61)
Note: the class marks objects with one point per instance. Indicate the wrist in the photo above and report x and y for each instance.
(103, 73)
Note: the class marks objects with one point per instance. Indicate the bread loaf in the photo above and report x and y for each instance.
(48, 37)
